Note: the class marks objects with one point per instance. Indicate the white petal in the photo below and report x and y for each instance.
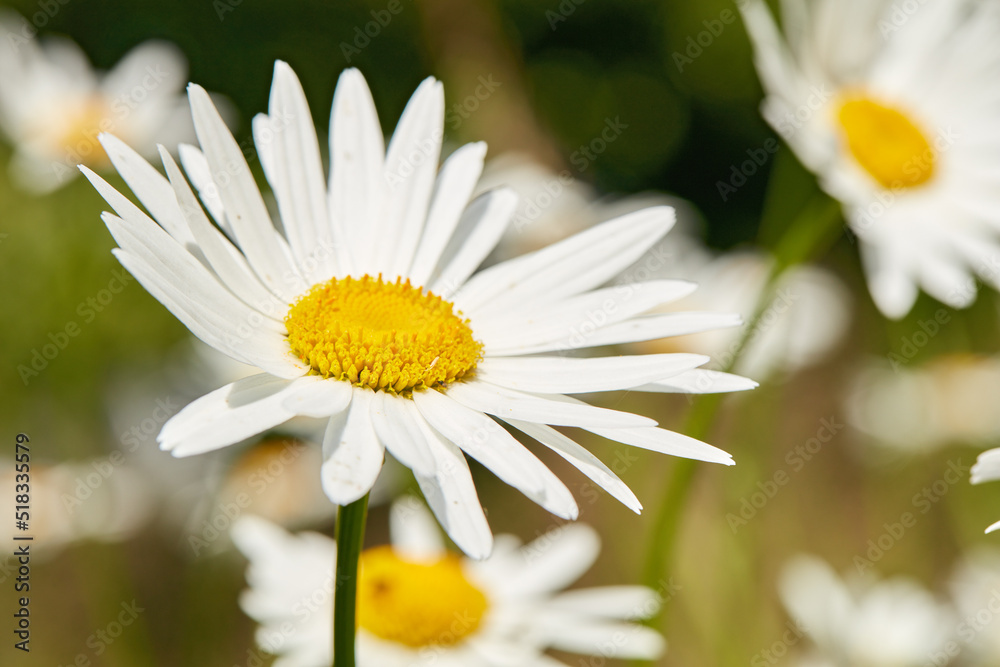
(946, 280)
(817, 599)
(233, 413)
(324, 398)
(161, 62)
(541, 660)
(581, 262)
(263, 140)
(554, 561)
(264, 349)
(480, 437)
(891, 287)
(357, 184)
(508, 403)
(352, 453)
(666, 442)
(38, 175)
(454, 188)
(987, 467)
(478, 232)
(452, 497)
(894, 294)
(189, 313)
(570, 375)
(227, 262)
(411, 164)
(414, 533)
(139, 236)
(774, 63)
(299, 184)
(244, 206)
(487, 442)
(627, 641)
(149, 186)
(581, 459)
(269, 548)
(699, 381)
(647, 327)
(396, 423)
(497, 650)
(569, 323)
(284, 570)
(158, 241)
(624, 602)
(197, 169)
(157, 258)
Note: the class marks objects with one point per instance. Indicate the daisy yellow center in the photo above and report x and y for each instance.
(415, 603)
(381, 335)
(887, 143)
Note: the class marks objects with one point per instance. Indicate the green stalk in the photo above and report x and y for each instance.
(812, 231)
(666, 525)
(350, 538)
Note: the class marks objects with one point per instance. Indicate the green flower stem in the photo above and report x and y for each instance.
(815, 229)
(350, 538)
(811, 233)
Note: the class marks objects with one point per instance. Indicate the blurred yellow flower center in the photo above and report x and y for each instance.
(385, 336)
(414, 603)
(79, 135)
(261, 473)
(889, 146)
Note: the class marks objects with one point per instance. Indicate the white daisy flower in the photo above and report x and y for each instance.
(915, 409)
(863, 622)
(898, 120)
(360, 306)
(418, 604)
(53, 105)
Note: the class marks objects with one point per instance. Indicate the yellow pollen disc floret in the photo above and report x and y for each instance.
(416, 603)
(886, 143)
(385, 336)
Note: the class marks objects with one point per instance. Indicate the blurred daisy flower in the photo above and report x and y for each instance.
(806, 319)
(550, 206)
(975, 589)
(898, 120)
(987, 469)
(53, 105)
(101, 499)
(419, 604)
(361, 305)
(553, 205)
(918, 409)
(863, 622)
